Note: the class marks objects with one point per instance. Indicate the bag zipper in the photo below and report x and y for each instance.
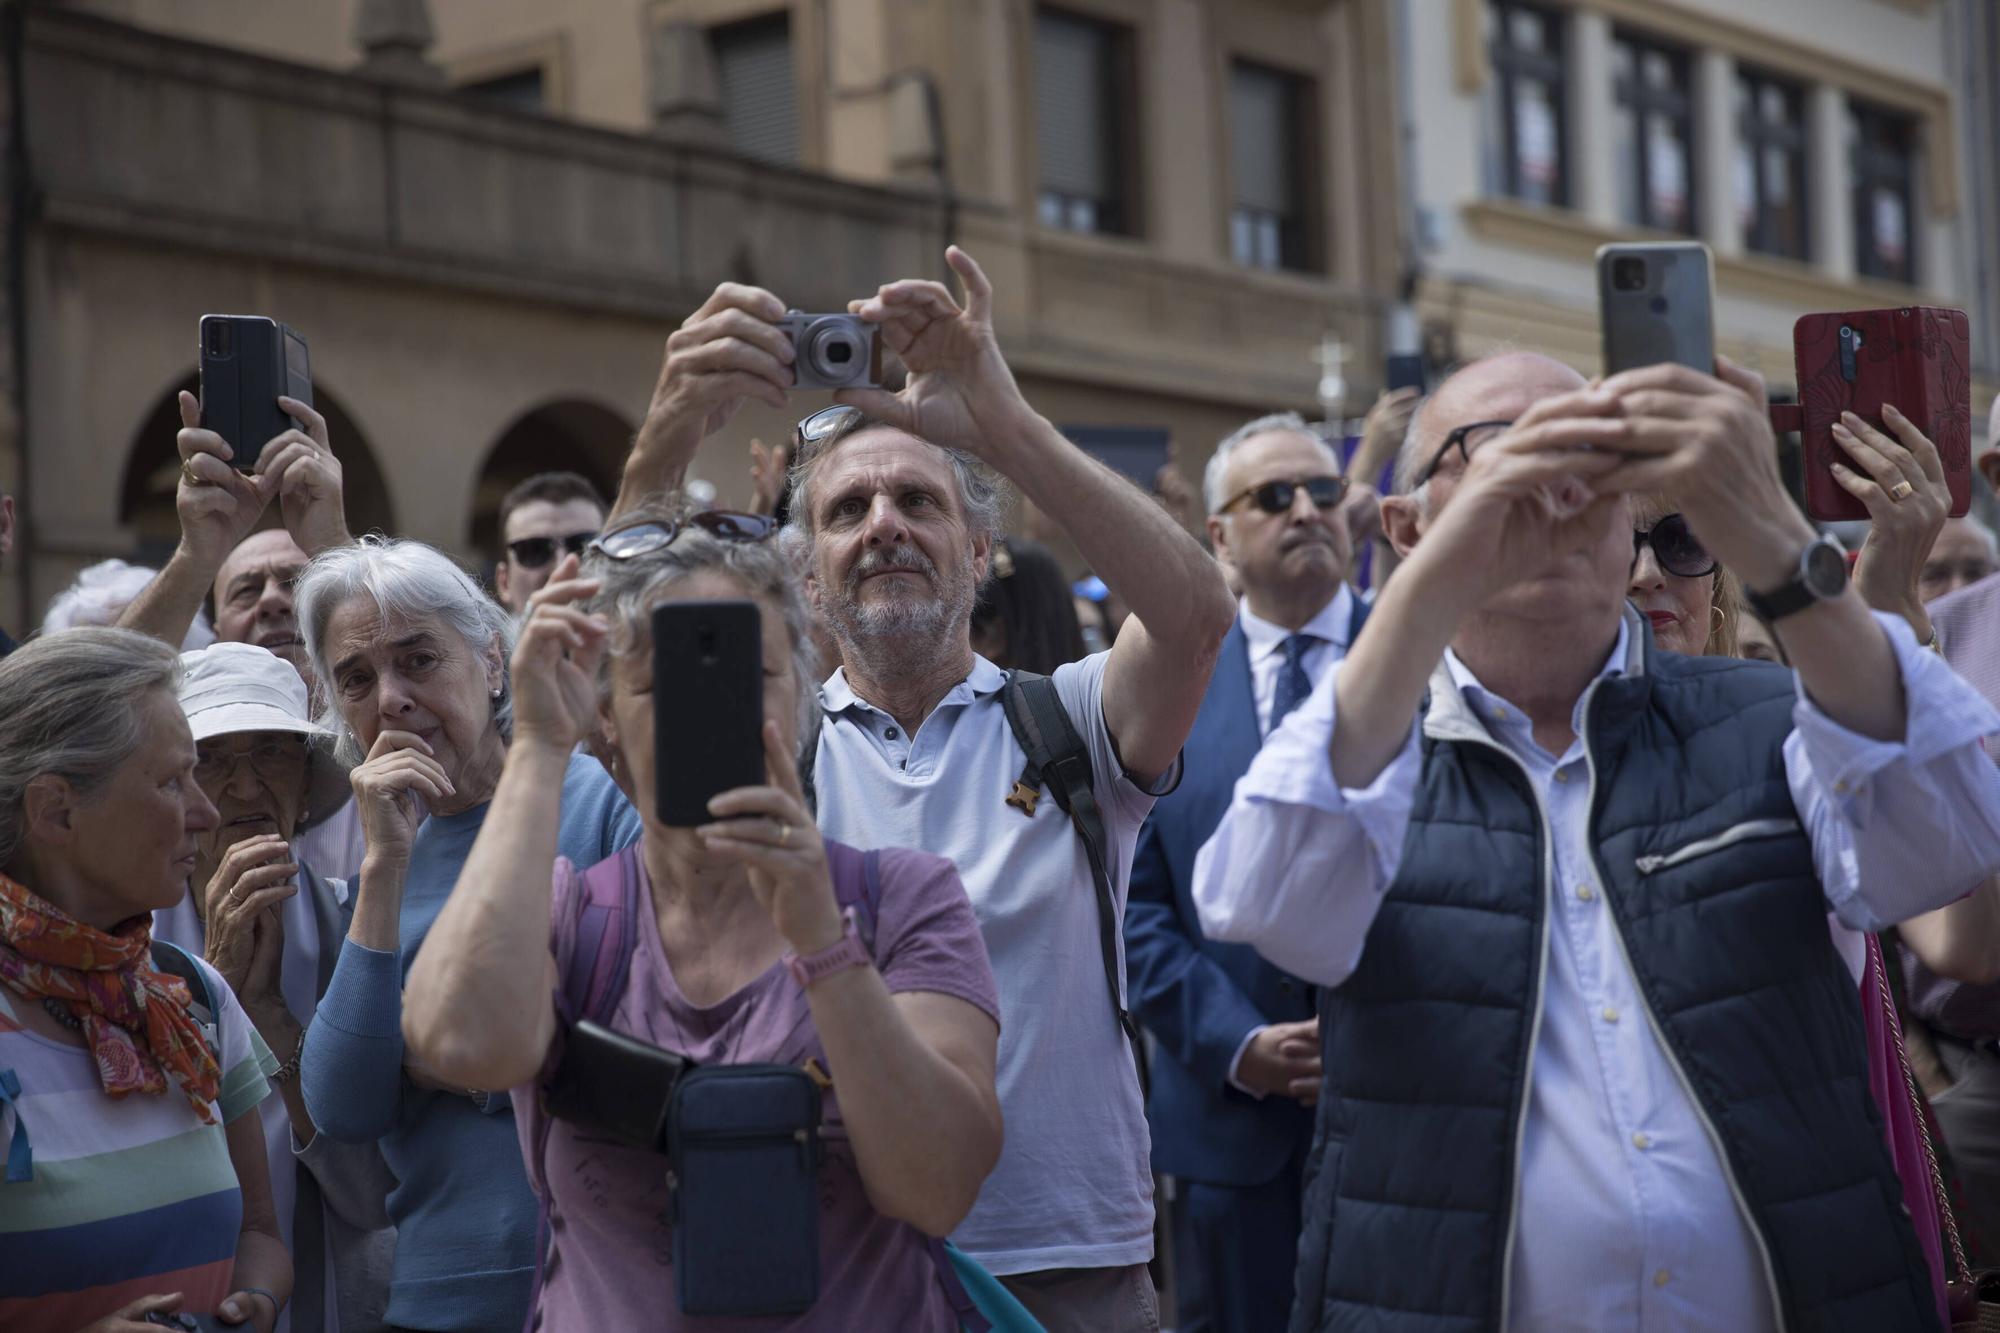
(1747, 831)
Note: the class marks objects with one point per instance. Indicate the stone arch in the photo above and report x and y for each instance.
(562, 435)
(152, 471)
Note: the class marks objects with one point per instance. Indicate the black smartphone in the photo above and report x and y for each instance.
(1656, 303)
(246, 362)
(1405, 370)
(708, 705)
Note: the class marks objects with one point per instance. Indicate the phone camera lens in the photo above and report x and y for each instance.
(1628, 274)
(217, 338)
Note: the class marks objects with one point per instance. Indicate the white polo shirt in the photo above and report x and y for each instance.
(1074, 1185)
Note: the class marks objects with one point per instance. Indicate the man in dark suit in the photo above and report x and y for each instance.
(1237, 1041)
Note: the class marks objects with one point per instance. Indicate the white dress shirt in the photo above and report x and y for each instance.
(1266, 641)
(1266, 644)
(1626, 1219)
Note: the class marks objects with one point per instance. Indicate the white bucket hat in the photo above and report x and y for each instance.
(235, 687)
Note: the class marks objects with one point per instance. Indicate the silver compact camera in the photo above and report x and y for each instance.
(834, 351)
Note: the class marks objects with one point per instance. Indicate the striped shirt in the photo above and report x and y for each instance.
(127, 1198)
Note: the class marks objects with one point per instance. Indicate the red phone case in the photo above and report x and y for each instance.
(1916, 357)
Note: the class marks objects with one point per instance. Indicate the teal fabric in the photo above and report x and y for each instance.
(1006, 1314)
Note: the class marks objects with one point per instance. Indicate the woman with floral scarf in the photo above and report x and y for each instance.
(135, 1181)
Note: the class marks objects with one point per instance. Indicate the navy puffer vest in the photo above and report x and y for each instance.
(1410, 1186)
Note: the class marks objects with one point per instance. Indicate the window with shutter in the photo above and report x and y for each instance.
(1083, 120)
(753, 62)
(1267, 155)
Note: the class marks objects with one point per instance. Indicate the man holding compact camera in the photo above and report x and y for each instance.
(894, 508)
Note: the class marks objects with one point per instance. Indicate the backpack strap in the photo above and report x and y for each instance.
(1056, 755)
(809, 756)
(178, 962)
(600, 959)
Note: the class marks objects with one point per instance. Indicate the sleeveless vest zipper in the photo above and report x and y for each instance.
(1653, 1020)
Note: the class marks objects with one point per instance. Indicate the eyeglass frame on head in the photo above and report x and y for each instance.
(805, 433)
(712, 521)
(1341, 485)
(1455, 438)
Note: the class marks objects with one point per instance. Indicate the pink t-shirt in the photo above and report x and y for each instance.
(613, 1245)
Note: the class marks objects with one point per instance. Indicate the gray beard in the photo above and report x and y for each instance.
(912, 632)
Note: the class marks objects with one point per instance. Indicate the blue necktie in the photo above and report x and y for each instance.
(1293, 683)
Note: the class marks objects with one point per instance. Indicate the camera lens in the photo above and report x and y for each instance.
(217, 338)
(1628, 274)
(833, 349)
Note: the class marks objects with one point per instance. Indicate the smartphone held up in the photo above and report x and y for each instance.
(708, 705)
(247, 363)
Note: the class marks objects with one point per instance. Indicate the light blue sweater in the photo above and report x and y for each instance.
(464, 1214)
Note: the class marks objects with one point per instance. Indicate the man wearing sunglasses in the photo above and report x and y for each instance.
(548, 516)
(895, 507)
(1237, 1062)
(1592, 1057)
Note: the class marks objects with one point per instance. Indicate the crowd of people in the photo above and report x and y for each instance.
(1495, 939)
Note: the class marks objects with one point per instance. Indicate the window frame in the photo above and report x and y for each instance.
(1119, 212)
(1871, 165)
(1299, 250)
(1758, 136)
(1632, 97)
(1511, 65)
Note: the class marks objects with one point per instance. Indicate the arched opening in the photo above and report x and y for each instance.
(152, 472)
(568, 435)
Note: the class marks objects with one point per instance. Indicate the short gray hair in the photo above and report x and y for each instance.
(630, 589)
(406, 579)
(69, 705)
(982, 495)
(1218, 462)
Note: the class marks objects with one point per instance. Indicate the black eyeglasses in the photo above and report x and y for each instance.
(1464, 439)
(1675, 547)
(534, 552)
(643, 538)
(1275, 497)
(823, 423)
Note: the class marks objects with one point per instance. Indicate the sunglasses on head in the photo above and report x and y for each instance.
(644, 538)
(1675, 548)
(534, 552)
(1275, 497)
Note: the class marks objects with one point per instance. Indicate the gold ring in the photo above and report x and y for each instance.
(1901, 491)
(187, 473)
(784, 835)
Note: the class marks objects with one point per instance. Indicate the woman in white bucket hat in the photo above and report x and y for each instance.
(272, 926)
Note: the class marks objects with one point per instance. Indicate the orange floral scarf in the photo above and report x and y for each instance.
(108, 983)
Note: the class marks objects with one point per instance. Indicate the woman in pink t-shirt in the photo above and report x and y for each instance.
(906, 1024)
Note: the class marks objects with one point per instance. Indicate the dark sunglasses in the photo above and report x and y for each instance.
(1275, 497)
(1464, 439)
(534, 552)
(643, 538)
(1676, 549)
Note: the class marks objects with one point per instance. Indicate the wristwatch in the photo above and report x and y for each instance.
(846, 952)
(1822, 577)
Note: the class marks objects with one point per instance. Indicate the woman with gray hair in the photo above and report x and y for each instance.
(411, 659)
(746, 947)
(135, 1180)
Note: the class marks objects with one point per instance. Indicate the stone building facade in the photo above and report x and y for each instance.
(486, 215)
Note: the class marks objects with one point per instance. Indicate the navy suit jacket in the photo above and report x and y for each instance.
(1200, 999)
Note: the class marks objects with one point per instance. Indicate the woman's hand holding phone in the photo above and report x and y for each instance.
(770, 831)
(554, 670)
(1901, 531)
